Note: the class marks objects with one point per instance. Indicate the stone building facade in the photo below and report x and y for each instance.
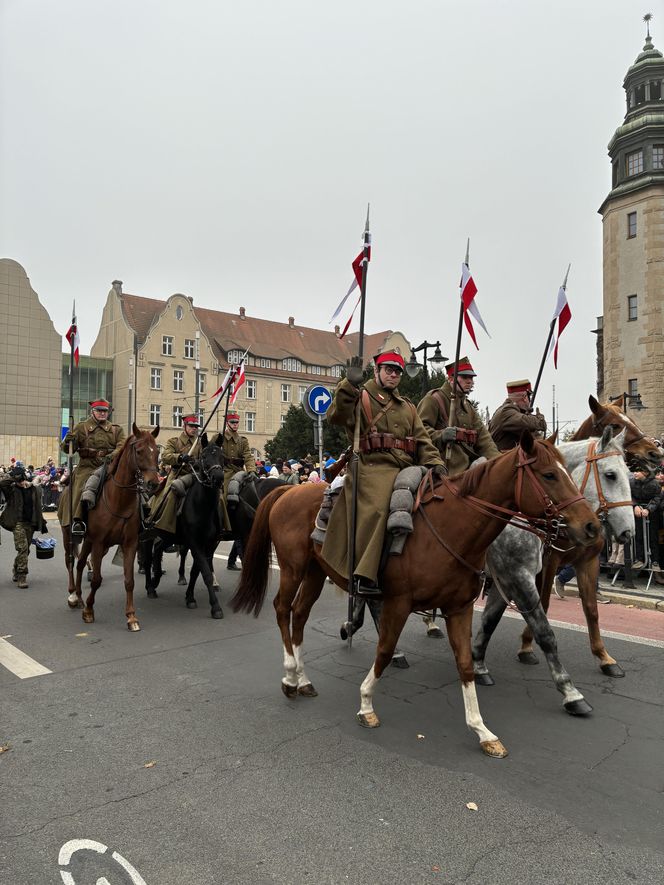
(30, 375)
(154, 346)
(631, 331)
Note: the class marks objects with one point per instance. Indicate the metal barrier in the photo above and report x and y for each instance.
(629, 558)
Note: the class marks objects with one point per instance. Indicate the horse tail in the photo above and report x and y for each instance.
(250, 594)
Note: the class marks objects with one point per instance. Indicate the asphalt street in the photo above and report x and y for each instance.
(174, 751)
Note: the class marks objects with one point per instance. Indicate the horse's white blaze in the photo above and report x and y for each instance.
(290, 666)
(366, 692)
(298, 651)
(473, 716)
(563, 469)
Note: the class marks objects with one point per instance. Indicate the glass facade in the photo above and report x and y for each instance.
(93, 379)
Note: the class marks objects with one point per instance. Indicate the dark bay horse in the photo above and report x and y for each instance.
(198, 527)
(641, 451)
(441, 566)
(116, 519)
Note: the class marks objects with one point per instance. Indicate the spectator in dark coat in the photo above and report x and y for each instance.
(648, 501)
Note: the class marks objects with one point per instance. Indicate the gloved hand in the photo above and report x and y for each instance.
(354, 371)
(184, 458)
(449, 435)
(69, 437)
(439, 470)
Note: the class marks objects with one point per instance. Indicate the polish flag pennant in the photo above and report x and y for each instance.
(220, 391)
(237, 382)
(563, 314)
(73, 338)
(468, 293)
(357, 282)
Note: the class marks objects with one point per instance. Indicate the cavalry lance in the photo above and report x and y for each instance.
(70, 448)
(547, 346)
(453, 395)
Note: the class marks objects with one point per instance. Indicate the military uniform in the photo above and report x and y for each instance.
(174, 448)
(96, 442)
(237, 455)
(434, 410)
(394, 439)
(22, 516)
(511, 419)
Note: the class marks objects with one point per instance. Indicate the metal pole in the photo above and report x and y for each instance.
(320, 446)
(547, 345)
(70, 452)
(425, 376)
(130, 397)
(197, 399)
(452, 421)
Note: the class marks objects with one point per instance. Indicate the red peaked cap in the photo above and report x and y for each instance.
(390, 358)
(519, 386)
(465, 368)
(100, 404)
(191, 419)
(232, 415)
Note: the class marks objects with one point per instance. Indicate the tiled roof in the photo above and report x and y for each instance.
(266, 338)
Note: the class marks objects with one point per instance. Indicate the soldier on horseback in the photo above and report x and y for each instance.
(392, 437)
(237, 456)
(468, 438)
(176, 455)
(97, 442)
(514, 416)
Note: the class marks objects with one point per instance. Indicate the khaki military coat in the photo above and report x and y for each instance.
(95, 443)
(376, 474)
(508, 422)
(166, 510)
(237, 456)
(462, 455)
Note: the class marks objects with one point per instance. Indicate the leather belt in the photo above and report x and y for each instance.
(383, 442)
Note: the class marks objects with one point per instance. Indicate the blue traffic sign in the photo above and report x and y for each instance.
(319, 399)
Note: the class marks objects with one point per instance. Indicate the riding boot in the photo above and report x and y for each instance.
(79, 524)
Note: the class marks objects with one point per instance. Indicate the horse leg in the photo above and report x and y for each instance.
(526, 655)
(493, 612)
(189, 599)
(433, 630)
(309, 592)
(149, 551)
(183, 556)
(201, 559)
(587, 574)
(95, 581)
(129, 551)
(392, 619)
(459, 627)
(74, 599)
(399, 659)
(289, 583)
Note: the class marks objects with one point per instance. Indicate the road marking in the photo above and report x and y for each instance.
(19, 663)
(578, 628)
(74, 845)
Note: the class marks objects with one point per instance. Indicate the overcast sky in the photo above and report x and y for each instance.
(227, 150)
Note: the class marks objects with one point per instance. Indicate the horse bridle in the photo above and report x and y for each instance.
(205, 479)
(139, 484)
(592, 457)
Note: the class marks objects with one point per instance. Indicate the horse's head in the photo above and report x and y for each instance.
(613, 496)
(546, 489)
(212, 459)
(146, 454)
(641, 452)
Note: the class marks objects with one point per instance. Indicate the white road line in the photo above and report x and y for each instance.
(18, 663)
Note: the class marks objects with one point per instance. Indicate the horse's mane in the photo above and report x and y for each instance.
(467, 483)
(113, 466)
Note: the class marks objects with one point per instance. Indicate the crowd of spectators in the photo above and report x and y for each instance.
(49, 477)
(294, 471)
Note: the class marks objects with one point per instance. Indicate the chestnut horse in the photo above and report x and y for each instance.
(116, 519)
(441, 566)
(641, 452)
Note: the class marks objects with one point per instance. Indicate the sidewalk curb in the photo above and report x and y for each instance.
(637, 600)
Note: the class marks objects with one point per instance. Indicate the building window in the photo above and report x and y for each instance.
(634, 163)
(655, 90)
(285, 393)
(658, 156)
(291, 365)
(189, 348)
(201, 382)
(631, 225)
(155, 379)
(315, 370)
(179, 313)
(234, 356)
(632, 308)
(265, 363)
(177, 416)
(250, 421)
(167, 345)
(282, 420)
(178, 381)
(301, 392)
(201, 416)
(336, 371)
(633, 387)
(250, 388)
(155, 414)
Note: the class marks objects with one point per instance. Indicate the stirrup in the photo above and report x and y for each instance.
(78, 528)
(366, 591)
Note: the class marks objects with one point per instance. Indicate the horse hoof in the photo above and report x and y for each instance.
(191, 603)
(434, 632)
(289, 690)
(152, 594)
(368, 720)
(614, 670)
(72, 600)
(141, 570)
(217, 614)
(182, 582)
(484, 679)
(527, 657)
(215, 586)
(580, 707)
(133, 626)
(400, 662)
(88, 617)
(494, 748)
(307, 691)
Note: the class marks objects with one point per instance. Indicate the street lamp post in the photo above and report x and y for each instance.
(413, 368)
(630, 400)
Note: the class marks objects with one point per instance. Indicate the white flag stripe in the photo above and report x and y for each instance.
(473, 309)
(336, 313)
(560, 303)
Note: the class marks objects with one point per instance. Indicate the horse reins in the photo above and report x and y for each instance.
(592, 457)
(137, 486)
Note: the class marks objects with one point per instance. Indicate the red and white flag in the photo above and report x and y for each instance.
(220, 391)
(357, 281)
(237, 382)
(563, 314)
(468, 293)
(73, 338)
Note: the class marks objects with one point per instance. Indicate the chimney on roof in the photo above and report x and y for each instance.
(117, 285)
(191, 300)
(242, 313)
(291, 322)
(337, 329)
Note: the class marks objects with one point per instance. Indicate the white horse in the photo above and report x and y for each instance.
(515, 558)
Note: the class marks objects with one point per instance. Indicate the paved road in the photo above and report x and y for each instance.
(176, 749)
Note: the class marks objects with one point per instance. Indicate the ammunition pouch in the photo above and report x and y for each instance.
(466, 436)
(383, 442)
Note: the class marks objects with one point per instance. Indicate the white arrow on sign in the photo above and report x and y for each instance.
(321, 400)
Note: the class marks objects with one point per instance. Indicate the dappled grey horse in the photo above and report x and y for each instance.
(515, 558)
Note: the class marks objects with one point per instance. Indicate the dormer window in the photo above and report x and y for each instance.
(634, 163)
(658, 156)
(639, 94)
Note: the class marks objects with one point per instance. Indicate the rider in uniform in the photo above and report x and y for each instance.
(468, 437)
(237, 456)
(176, 455)
(514, 416)
(97, 441)
(392, 437)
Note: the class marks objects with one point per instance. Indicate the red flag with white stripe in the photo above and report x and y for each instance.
(240, 378)
(468, 293)
(563, 314)
(357, 281)
(73, 338)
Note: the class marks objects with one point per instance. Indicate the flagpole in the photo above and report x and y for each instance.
(355, 457)
(552, 326)
(453, 396)
(70, 452)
